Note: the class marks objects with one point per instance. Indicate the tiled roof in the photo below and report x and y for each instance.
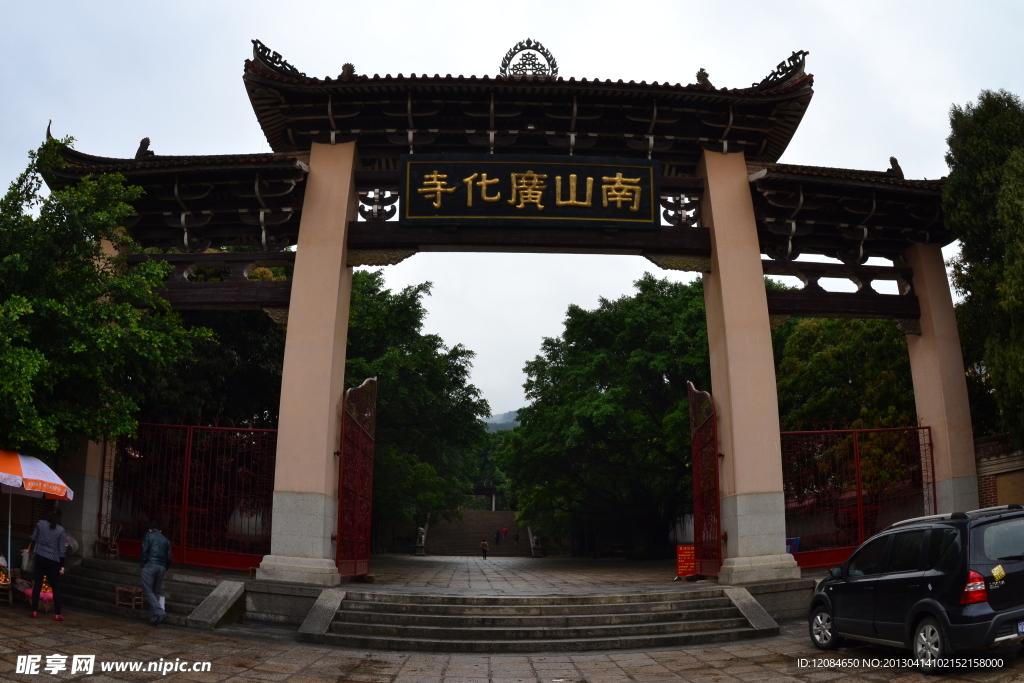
(846, 174)
(256, 67)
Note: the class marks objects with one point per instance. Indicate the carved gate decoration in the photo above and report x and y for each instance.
(355, 479)
(707, 530)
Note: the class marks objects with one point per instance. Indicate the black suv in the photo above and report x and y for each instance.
(936, 585)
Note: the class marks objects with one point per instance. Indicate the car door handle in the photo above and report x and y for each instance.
(868, 589)
(913, 585)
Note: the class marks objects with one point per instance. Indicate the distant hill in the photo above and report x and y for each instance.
(502, 421)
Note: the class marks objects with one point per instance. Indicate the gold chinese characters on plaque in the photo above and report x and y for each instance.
(518, 190)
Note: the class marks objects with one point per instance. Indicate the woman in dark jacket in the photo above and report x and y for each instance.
(50, 544)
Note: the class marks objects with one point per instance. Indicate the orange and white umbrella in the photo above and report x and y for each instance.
(27, 476)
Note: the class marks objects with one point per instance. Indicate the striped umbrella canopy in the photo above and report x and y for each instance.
(28, 476)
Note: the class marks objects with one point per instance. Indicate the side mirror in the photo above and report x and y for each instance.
(836, 572)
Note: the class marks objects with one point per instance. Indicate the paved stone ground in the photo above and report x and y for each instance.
(519, 575)
(260, 654)
(257, 653)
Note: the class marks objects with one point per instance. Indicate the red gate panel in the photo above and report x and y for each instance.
(843, 486)
(355, 479)
(210, 488)
(707, 530)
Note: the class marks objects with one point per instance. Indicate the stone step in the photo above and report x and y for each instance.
(529, 646)
(104, 607)
(100, 580)
(536, 600)
(534, 633)
(528, 610)
(571, 620)
(103, 589)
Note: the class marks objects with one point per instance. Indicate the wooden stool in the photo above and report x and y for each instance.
(129, 597)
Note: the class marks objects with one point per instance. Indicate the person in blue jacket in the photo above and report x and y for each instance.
(154, 560)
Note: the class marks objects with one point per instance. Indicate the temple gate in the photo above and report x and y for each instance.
(686, 176)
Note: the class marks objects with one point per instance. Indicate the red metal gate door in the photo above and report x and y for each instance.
(707, 530)
(355, 479)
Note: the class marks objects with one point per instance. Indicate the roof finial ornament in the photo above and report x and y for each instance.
(144, 150)
(703, 80)
(894, 168)
(529, 64)
(48, 135)
(275, 61)
(348, 70)
(785, 70)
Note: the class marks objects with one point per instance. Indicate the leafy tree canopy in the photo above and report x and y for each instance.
(235, 373)
(983, 203)
(80, 334)
(605, 439)
(429, 422)
(834, 373)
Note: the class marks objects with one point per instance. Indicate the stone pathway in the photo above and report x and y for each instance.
(260, 654)
(520, 575)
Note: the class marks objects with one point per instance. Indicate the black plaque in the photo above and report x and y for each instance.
(514, 190)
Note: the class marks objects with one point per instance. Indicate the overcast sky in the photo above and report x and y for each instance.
(886, 73)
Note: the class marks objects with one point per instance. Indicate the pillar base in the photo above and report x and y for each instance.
(737, 570)
(958, 494)
(307, 570)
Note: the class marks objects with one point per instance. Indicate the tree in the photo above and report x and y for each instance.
(983, 203)
(234, 373)
(603, 447)
(834, 373)
(428, 414)
(80, 334)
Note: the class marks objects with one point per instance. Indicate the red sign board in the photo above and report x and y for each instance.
(684, 560)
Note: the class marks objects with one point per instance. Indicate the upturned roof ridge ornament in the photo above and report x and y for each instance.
(785, 70)
(274, 60)
(529, 64)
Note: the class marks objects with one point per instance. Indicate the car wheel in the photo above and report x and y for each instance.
(929, 645)
(823, 629)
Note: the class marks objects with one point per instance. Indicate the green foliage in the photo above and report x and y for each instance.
(234, 373)
(605, 440)
(80, 334)
(983, 203)
(428, 414)
(833, 372)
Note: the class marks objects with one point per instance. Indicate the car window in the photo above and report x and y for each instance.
(998, 542)
(939, 542)
(905, 555)
(868, 559)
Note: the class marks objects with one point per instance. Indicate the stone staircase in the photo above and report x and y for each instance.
(92, 586)
(462, 537)
(384, 621)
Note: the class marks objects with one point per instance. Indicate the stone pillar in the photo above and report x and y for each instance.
(84, 474)
(313, 381)
(743, 381)
(940, 384)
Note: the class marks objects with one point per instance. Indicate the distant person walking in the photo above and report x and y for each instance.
(504, 533)
(515, 537)
(484, 548)
(49, 541)
(497, 537)
(154, 560)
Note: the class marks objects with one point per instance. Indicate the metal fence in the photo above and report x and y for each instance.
(210, 488)
(841, 487)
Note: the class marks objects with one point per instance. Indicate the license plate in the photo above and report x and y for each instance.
(1020, 627)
